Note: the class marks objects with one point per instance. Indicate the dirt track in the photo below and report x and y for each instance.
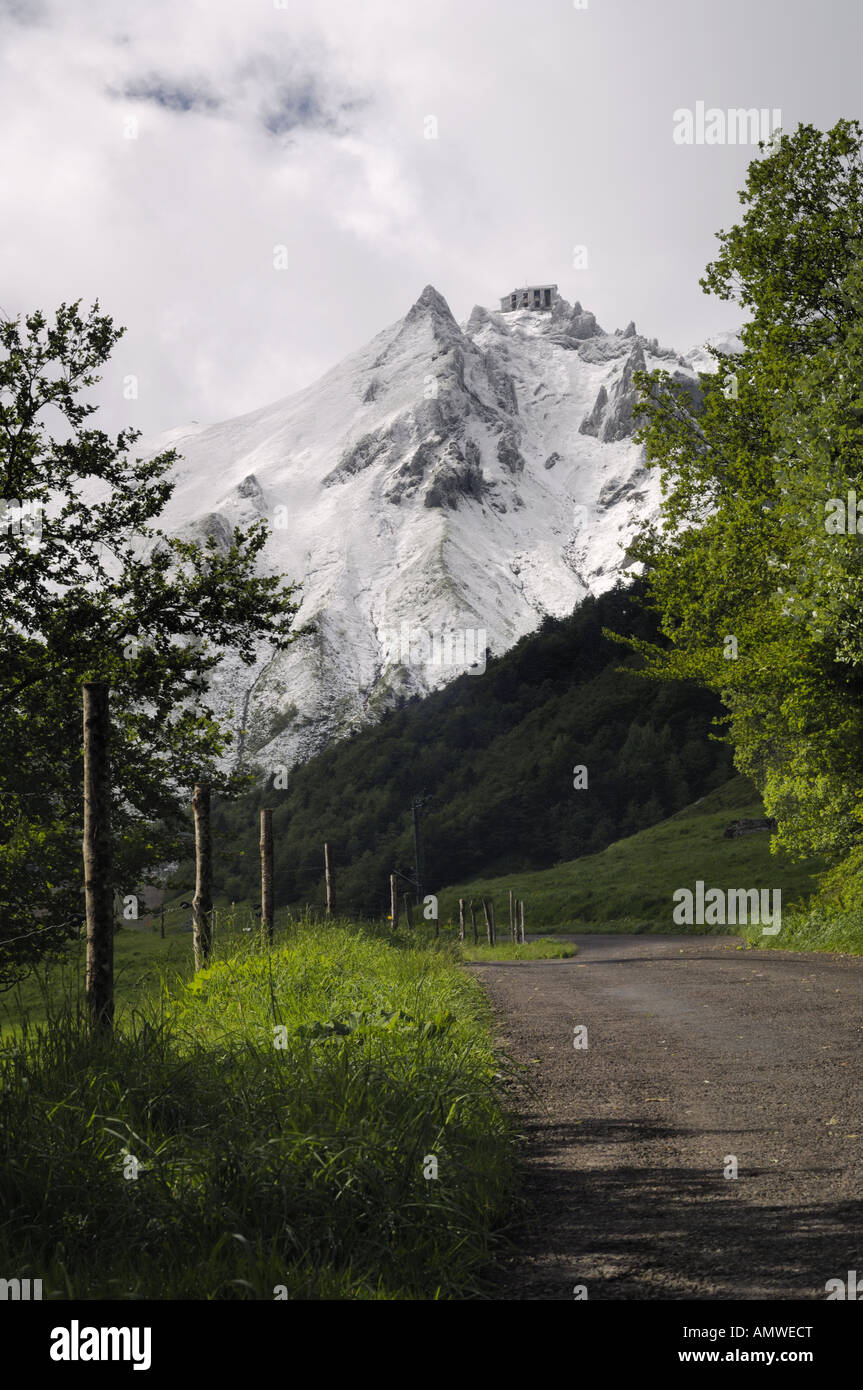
(697, 1050)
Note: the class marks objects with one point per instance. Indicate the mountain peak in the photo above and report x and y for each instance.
(439, 480)
(430, 301)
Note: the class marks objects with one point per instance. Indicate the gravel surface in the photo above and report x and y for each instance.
(698, 1049)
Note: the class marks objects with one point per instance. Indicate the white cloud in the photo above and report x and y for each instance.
(303, 126)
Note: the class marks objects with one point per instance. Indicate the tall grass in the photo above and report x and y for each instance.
(282, 1108)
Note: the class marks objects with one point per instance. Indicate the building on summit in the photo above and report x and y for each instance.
(530, 297)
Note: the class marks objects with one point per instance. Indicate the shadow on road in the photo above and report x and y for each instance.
(666, 1232)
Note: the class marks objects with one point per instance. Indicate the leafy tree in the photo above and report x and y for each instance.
(760, 602)
(90, 589)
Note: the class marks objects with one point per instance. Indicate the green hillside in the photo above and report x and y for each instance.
(629, 886)
(493, 756)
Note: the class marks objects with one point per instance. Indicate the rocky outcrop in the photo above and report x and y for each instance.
(509, 454)
(357, 458)
(592, 423)
(211, 526)
(582, 324)
(458, 476)
(612, 417)
(751, 826)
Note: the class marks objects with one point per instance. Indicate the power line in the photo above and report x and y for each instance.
(37, 931)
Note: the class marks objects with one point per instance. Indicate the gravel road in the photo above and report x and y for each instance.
(698, 1050)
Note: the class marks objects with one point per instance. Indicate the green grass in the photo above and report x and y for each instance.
(142, 960)
(531, 950)
(262, 1166)
(629, 886)
(139, 962)
(813, 929)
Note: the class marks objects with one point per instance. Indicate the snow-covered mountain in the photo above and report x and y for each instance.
(442, 488)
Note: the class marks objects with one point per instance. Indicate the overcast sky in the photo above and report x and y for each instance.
(303, 124)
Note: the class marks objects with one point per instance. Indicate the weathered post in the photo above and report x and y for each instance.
(394, 902)
(329, 878)
(512, 933)
(521, 915)
(493, 924)
(461, 919)
(488, 929)
(202, 902)
(99, 897)
(266, 876)
(472, 911)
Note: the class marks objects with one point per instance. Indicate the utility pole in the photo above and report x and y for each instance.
(329, 879)
(416, 806)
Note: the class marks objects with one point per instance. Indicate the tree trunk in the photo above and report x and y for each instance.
(202, 903)
(461, 919)
(267, 876)
(98, 890)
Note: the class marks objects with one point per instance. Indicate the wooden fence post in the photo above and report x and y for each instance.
(512, 932)
(394, 902)
(267, 876)
(488, 929)
(409, 911)
(493, 923)
(99, 896)
(202, 903)
(329, 878)
(473, 921)
(461, 919)
(521, 914)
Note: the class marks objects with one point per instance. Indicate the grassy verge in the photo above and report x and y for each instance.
(531, 950)
(282, 1111)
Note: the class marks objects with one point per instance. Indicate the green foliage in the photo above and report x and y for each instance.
(100, 594)
(742, 550)
(495, 753)
(298, 1165)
